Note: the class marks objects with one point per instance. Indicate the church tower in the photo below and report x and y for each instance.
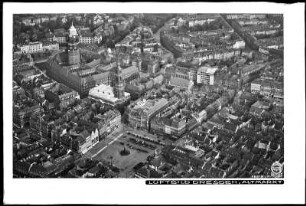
(73, 50)
(119, 84)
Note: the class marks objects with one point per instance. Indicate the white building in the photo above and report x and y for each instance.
(206, 75)
(109, 122)
(255, 86)
(32, 47)
(88, 140)
(239, 45)
(105, 94)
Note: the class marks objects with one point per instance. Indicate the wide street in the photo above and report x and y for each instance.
(111, 142)
(101, 146)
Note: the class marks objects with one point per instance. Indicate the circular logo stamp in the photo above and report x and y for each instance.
(276, 169)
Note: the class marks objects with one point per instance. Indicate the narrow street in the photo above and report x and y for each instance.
(101, 146)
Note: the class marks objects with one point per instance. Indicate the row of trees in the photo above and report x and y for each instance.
(206, 27)
(166, 42)
(156, 21)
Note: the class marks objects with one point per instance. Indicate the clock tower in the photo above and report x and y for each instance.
(73, 50)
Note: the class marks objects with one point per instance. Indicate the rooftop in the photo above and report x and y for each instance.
(105, 92)
(60, 89)
(106, 117)
(149, 106)
(208, 70)
(179, 82)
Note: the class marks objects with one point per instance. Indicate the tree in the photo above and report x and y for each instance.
(52, 25)
(34, 37)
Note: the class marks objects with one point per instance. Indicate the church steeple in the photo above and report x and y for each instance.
(119, 84)
(72, 31)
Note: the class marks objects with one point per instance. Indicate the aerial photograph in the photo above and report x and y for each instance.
(148, 95)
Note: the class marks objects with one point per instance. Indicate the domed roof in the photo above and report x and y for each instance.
(72, 31)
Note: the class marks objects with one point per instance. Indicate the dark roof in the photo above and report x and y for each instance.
(94, 170)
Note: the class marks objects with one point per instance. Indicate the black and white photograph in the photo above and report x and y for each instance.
(106, 101)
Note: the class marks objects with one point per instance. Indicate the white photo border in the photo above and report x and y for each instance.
(134, 191)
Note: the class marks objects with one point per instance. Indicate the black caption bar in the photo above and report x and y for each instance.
(214, 182)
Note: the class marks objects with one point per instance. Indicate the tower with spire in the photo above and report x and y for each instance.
(73, 50)
(118, 84)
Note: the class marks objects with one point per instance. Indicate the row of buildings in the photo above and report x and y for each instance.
(266, 31)
(84, 34)
(140, 40)
(35, 47)
(92, 19)
(209, 44)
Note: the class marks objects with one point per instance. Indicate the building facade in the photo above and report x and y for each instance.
(32, 47)
(108, 123)
(141, 112)
(206, 75)
(62, 96)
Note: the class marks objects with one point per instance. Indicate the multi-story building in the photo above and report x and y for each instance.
(108, 123)
(173, 126)
(182, 77)
(35, 47)
(141, 112)
(246, 16)
(206, 75)
(60, 38)
(61, 95)
(256, 86)
(85, 140)
(32, 47)
(259, 107)
(86, 37)
(49, 45)
(72, 75)
(268, 88)
(40, 127)
(22, 114)
(271, 43)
